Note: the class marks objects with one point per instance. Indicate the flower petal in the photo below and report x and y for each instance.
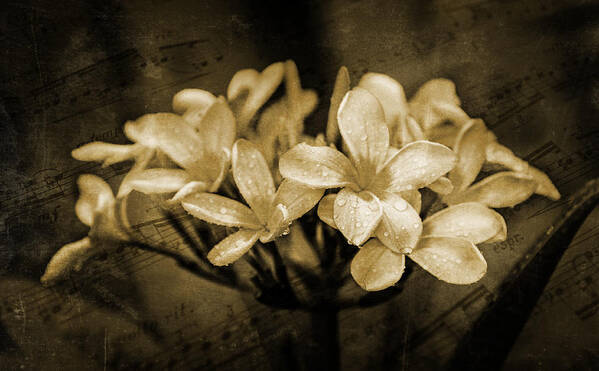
(326, 209)
(95, 196)
(69, 257)
(217, 129)
(233, 247)
(356, 215)
(339, 91)
(450, 112)
(414, 198)
(159, 180)
(253, 178)
(190, 188)
(192, 99)
(472, 221)
(400, 225)
(389, 93)
(278, 224)
(220, 210)
(409, 131)
(450, 259)
(499, 154)
(375, 267)
(317, 166)
(171, 134)
(107, 153)
(442, 186)
(261, 87)
(505, 189)
(422, 103)
(297, 198)
(362, 125)
(416, 165)
(470, 148)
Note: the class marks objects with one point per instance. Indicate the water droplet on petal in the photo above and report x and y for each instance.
(250, 182)
(401, 205)
(223, 210)
(358, 225)
(386, 234)
(416, 225)
(364, 138)
(341, 201)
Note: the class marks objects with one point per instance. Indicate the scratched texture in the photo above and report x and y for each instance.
(73, 72)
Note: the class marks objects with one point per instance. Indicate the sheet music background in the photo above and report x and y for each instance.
(74, 72)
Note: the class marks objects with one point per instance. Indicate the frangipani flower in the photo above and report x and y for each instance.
(446, 249)
(199, 142)
(258, 87)
(268, 215)
(282, 123)
(373, 179)
(436, 102)
(436, 107)
(96, 209)
(475, 145)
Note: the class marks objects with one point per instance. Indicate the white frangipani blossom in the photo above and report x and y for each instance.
(374, 176)
(96, 209)
(269, 213)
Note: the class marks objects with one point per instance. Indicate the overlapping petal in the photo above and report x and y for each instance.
(253, 179)
(171, 134)
(159, 180)
(450, 259)
(356, 215)
(220, 210)
(400, 225)
(297, 198)
(416, 165)
(499, 154)
(505, 189)
(95, 195)
(432, 93)
(339, 90)
(389, 93)
(233, 247)
(317, 166)
(326, 209)
(217, 128)
(470, 148)
(192, 99)
(472, 221)
(107, 153)
(362, 125)
(375, 267)
(442, 186)
(261, 86)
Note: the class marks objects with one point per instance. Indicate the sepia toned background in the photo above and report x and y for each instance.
(73, 72)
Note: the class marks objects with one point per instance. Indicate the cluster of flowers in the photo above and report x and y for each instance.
(364, 173)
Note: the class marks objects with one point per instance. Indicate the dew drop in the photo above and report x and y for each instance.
(325, 173)
(223, 210)
(317, 165)
(416, 225)
(364, 138)
(409, 187)
(341, 202)
(386, 234)
(358, 225)
(401, 205)
(250, 182)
